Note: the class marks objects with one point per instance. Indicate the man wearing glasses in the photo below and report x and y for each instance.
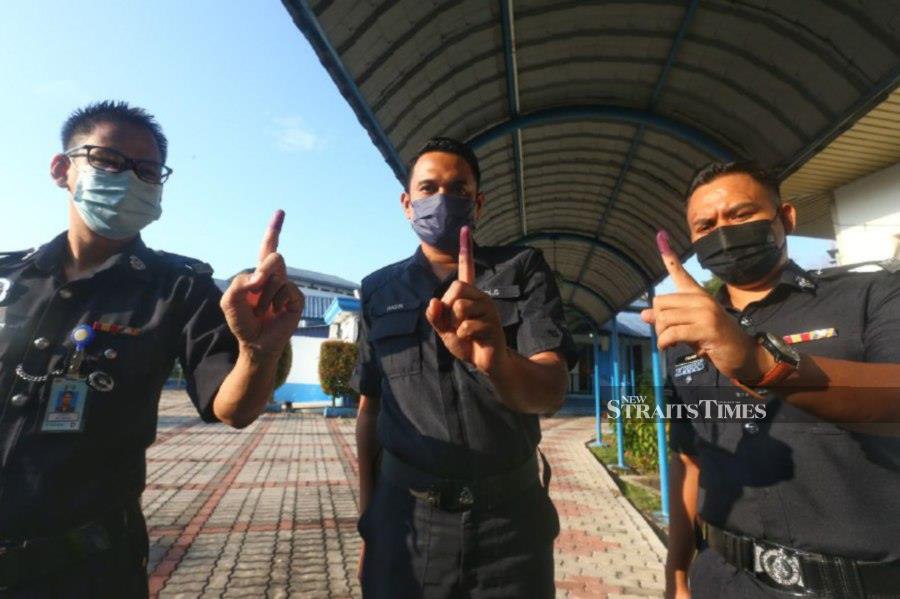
(96, 314)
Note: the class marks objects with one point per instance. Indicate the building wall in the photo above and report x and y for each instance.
(866, 217)
(302, 384)
(581, 378)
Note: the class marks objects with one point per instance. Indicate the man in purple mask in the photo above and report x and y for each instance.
(462, 347)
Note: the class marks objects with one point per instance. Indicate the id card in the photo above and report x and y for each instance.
(65, 409)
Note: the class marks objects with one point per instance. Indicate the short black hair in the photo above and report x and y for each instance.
(754, 170)
(451, 146)
(83, 121)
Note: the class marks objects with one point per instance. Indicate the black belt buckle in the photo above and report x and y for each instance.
(452, 498)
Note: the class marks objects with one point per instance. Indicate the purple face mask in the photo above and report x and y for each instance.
(438, 218)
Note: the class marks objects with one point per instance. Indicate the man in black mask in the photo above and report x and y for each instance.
(792, 488)
(460, 349)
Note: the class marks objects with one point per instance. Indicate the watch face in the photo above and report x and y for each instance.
(781, 350)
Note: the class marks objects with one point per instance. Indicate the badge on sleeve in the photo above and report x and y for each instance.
(687, 366)
(65, 409)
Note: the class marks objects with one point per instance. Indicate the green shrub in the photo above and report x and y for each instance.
(640, 433)
(337, 359)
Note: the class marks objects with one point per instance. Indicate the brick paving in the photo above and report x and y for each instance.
(270, 511)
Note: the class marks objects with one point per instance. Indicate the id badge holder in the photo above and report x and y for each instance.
(65, 409)
(68, 394)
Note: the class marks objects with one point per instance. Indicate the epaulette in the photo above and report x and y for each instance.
(198, 267)
(891, 266)
(16, 257)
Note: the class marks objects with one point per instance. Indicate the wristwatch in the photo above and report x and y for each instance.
(787, 360)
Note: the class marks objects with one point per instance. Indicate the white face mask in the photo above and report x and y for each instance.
(116, 205)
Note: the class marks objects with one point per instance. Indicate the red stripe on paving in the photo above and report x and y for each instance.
(175, 431)
(176, 552)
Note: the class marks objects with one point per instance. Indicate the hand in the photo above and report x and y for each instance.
(466, 318)
(263, 309)
(692, 316)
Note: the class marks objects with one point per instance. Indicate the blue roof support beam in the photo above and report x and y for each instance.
(507, 26)
(690, 11)
(557, 236)
(615, 114)
(306, 20)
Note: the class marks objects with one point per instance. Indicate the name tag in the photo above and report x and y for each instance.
(65, 409)
(395, 307)
(689, 365)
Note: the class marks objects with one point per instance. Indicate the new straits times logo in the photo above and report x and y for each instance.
(643, 408)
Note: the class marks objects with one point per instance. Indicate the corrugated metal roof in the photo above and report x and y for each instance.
(589, 117)
(871, 144)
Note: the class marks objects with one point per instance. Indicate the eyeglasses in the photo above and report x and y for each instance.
(113, 161)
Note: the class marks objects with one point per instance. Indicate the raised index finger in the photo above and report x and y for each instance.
(270, 239)
(466, 265)
(682, 278)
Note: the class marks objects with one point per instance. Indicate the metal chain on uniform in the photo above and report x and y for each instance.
(31, 378)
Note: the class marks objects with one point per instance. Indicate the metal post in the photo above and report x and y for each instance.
(631, 372)
(598, 406)
(615, 387)
(661, 444)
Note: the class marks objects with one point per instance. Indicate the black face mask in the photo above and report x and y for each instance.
(740, 254)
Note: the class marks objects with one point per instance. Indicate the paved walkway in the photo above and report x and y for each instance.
(270, 511)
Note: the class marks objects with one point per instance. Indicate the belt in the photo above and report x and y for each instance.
(23, 561)
(455, 495)
(804, 572)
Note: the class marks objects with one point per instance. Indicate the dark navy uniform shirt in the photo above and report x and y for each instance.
(790, 477)
(51, 481)
(438, 413)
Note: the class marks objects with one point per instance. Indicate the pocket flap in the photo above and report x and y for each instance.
(509, 312)
(391, 324)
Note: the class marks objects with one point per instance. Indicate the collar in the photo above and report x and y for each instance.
(134, 257)
(791, 276)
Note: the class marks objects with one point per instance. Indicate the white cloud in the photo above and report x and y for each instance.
(293, 136)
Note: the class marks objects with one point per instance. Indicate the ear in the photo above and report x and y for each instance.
(479, 203)
(59, 170)
(406, 204)
(788, 215)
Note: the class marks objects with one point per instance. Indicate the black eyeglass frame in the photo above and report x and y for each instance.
(127, 163)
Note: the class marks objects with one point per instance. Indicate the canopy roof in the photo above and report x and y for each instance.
(590, 117)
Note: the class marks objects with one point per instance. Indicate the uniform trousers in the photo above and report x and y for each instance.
(417, 550)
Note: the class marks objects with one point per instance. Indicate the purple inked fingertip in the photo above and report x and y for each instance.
(465, 239)
(662, 242)
(277, 220)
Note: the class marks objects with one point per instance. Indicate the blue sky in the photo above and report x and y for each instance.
(254, 124)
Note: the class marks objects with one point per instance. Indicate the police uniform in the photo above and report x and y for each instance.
(70, 517)
(782, 492)
(458, 508)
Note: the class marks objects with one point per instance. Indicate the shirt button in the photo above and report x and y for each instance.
(751, 428)
(41, 343)
(110, 354)
(19, 400)
(65, 293)
(745, 321)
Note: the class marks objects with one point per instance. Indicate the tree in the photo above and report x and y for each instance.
(337, 359)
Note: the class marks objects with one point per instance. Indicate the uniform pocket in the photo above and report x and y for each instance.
(394, 335)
